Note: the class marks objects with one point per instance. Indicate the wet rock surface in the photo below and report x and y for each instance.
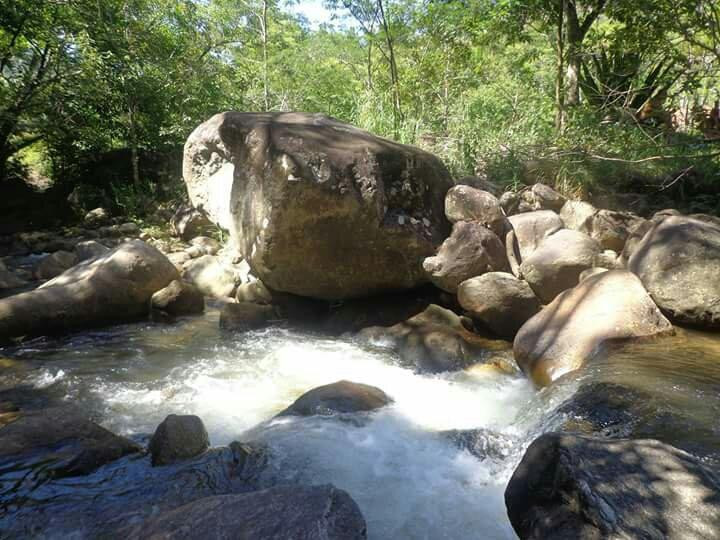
(279, 513)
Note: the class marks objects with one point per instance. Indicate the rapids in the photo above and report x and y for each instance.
(409, 479)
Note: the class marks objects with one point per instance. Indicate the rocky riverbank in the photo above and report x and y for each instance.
(339, 231)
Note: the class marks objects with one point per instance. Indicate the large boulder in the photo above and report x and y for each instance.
(178, 437)
(500, 301)
(527, 232)
(464, 203)
(278, 513)
(581, 488)
(339, 397)
(604, 308)
(62, 441)
(319, 208)
(557, 263)
(115, 287)
(471, 250)
(678, 261)
(433, 341)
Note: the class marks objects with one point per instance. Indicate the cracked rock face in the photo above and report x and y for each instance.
(319, 208)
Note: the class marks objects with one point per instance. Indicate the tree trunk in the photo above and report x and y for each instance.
(560, 75)
(574, 38)
(394, 78)
(266, 86)
(134, 157)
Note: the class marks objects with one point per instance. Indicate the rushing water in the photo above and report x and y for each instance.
(409, 479)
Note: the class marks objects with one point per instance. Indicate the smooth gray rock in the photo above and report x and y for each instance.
(464, 203)
(527, 232)
(115, 287)
(178, 298)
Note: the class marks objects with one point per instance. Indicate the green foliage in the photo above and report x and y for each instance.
(473, 81)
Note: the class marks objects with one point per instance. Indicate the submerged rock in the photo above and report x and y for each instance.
(339, 397)
(178, 438)
(115, 287)
(482, 443)
(63, 440)
(557, 263)
(572, 329)
(433, 341)
(278, 513)
(319, 208)
(471, 250)
(500, 301)
(575, 488)
(678, 261)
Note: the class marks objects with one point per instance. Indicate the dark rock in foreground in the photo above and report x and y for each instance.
(63, 440)
(279, 513)
(576, 488)
(339, 397)
(319, 208)
(178, 438)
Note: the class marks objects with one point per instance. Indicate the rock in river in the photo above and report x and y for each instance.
(339, 397)
(678, 261)
(569, 487)
(115, 287)
(572, 329)
(178, 437)
(319, 208)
